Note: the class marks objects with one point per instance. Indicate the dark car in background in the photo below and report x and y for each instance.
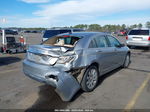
(122, 33)
(9, 32)
(52, 32)
(27, 31)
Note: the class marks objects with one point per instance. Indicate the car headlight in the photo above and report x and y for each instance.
(65, 59)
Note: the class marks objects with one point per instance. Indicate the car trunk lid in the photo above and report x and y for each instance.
(138, 37)
(54, 51)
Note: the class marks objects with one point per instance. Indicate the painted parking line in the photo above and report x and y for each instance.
(8, 71)
(138, 92)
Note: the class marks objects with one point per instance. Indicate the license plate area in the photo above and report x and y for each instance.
(137, 38)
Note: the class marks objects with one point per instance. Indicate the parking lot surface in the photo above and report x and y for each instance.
(120, 89)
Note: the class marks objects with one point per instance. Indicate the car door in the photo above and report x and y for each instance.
(118, 50)
(104, 54)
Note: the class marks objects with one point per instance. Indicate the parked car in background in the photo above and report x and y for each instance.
(138, 37)
(122, 33)
(52, 32)
(72, 61)
(27, 31)
(9, 32)
(11, 46)
(34, 31)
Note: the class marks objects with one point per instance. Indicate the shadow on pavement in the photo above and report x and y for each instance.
(103, 77)
(8, 60)
(47, 100)
(144, 49)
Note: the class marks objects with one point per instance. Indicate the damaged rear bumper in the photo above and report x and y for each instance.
(66, 85)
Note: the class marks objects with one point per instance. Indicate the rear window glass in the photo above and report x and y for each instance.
(139, 32)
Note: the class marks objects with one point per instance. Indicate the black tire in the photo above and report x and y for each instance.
(127, 61)
(9, 52)
(1, 49)
(129, 46)
(86, 79)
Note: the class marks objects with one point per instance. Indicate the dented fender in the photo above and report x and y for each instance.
(65, 84)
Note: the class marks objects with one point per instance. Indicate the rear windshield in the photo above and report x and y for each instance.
(69, 41)
(51, 33)
(139, 32)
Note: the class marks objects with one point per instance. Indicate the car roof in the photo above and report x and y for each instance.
(64, 29)
(141, 29)
(84, 34)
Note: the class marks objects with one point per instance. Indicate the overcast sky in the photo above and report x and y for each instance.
(51, 13)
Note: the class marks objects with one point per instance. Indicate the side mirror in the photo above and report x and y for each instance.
(122, 45)
(119, 46)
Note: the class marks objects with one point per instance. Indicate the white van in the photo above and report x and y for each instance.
(138, 37)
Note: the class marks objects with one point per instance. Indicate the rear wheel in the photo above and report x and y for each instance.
(90, 79)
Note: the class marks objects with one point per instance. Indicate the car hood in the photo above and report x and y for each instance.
(55, 51)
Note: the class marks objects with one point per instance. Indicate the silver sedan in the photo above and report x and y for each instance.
(72, 61)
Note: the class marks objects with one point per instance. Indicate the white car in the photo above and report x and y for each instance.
(138, 37)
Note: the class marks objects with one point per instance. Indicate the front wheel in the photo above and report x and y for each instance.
(127, 61)
(90, 79)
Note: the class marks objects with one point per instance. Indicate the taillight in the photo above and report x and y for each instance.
(126, 37)
(66, 35)
(4, 49)
(149, 38)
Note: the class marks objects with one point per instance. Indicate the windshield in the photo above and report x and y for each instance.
(67, 41)
(139, 32)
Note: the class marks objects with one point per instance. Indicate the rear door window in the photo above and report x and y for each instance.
(113, 41)
(98, 42)
(92, 44)
(101, 41)
(139, 32)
